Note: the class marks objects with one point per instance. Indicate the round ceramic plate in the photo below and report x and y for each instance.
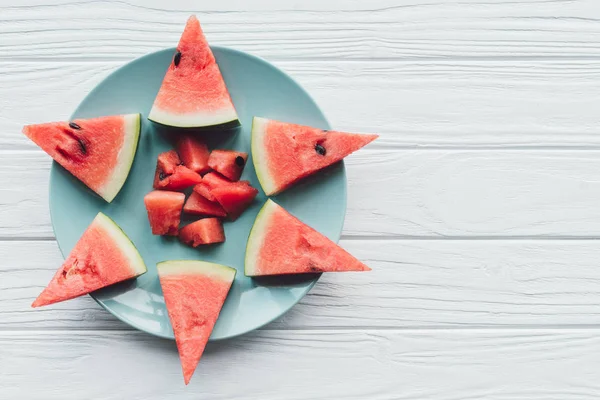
(257, 88)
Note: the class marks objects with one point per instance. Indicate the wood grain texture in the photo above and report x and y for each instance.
(442, 104)
(438, 365)
(402, 194)
(414, 284)
(382, 29)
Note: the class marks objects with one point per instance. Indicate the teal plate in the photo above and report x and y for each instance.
(257, 88)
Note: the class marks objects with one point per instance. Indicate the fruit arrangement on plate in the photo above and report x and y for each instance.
(196, 189)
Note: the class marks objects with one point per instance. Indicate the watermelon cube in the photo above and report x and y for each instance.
(197, 204)
(228, 163)
(194, 154)
(204, 231)
(235, 197)
(171, 175)
(209, 182)
(164, 211)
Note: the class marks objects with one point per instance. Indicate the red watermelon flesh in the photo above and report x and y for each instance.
(193, 92)
(164, 211)
(285, 153)
(194, 294)
(279, 243)
(228, 163)
(98, 151)
(104, 255)
(235, 197)
(210, 181)
(199, 205)
(204, 231)
(181, 178)
(193, 153)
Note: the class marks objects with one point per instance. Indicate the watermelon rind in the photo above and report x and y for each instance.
(125, 158)
(257, 235)
(259, 156)
(136, 263)
(224, 118)
(191, 267)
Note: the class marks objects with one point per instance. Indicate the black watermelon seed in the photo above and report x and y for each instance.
(177, 58)
(239, 160)
(74, 125)
(82, 146)
(161, 176)
(320, 149)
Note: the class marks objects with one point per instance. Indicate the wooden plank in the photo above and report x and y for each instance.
(460, 104)
(426, 284)
(402, 194)
(438, 365)
(381, 29)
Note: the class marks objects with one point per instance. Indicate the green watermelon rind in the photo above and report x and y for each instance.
(256, 237)
(136, 262)
(196, 267)
(198, 121)
(221, 126)
(125, 158)
(259, 158)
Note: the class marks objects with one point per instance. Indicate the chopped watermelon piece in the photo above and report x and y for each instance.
(204, 231)
(235, 197)
(199, 205)
(98, 151)
(167, 161)
(193, 92)
(181, 178)
(285, 153)
(228, 163)
(193, 153)
(104, 255)
(164, 211)
(210, 181)
(194, 294)
(279, 243)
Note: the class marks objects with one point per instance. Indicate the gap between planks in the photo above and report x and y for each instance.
(397, 60)
(314, 329)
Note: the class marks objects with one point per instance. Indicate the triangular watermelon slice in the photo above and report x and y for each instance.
(279, 243)
(284, 153)
(193, 92)
(194, 294)
(104, 255)
(98, 151)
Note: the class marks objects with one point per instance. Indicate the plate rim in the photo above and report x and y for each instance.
(327, 125)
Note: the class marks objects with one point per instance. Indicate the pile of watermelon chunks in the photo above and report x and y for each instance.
(217, 191)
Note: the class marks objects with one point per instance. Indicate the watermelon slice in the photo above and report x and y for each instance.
(235, 197)
(104, 255)
(164, 211)
(193, 92)
(210, 181)
(284, 153)
(228, 163)
(194, 294)
(279, 243)
(193, 153)
(204, 231)
(197, 204)
(98, 151)
(171, 175)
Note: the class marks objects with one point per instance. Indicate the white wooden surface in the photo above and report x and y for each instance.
(478, 209)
